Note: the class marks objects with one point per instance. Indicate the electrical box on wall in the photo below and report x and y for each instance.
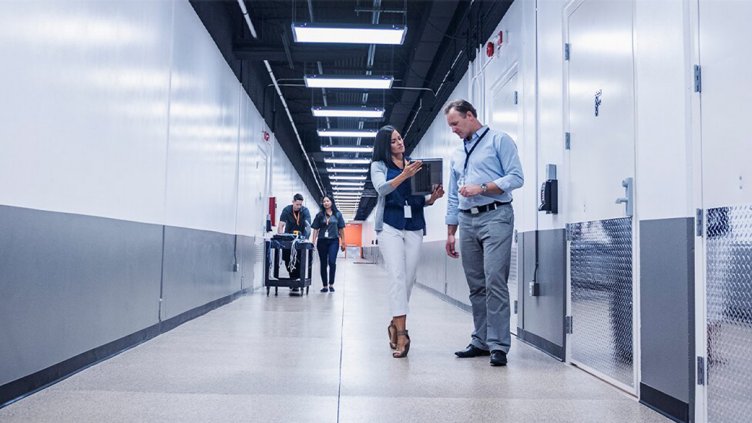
(549, 195)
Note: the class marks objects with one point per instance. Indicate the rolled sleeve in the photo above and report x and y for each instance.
(452, 199)
(510, 162)
(378, 179)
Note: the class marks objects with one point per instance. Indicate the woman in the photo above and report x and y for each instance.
(328, 234)
(400, 226)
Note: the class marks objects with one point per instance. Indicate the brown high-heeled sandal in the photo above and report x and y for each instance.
(403, 353)
(392, 331)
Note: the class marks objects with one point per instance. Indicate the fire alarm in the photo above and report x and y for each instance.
(490, 49)
(266, 136)
(500, 38)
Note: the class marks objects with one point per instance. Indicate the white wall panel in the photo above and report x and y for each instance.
(204, 120)
(252, 164)
(663, 151)
(84, 110)
(286, 182)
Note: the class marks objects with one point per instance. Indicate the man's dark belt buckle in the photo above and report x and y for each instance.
(474, 210)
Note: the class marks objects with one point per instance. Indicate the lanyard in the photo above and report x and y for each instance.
(297, 218)
(327, 218)
(468, 153)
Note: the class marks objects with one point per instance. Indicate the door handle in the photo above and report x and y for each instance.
(628, 199)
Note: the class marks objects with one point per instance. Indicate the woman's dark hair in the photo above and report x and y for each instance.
(334, 205)
(382, 145)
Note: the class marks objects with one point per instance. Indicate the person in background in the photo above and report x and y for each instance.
(328, 234)
(295, 219)
(400, 227)
(482, 174)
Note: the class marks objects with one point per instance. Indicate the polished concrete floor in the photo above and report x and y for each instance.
(325, 358)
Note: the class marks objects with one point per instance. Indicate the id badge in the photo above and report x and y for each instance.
(328, 234)
(408, 212)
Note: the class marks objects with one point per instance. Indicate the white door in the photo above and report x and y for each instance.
(599, 115)
(503, 115)
(726, 94)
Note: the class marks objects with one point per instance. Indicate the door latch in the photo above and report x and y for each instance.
(628, 199)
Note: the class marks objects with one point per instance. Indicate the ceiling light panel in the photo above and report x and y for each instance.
(348, 33)
(338, 133)
(356, 82)
(347, 178)
(355, 112)
(351, 184)
(346, 170)
(347, 161)
(343, 149)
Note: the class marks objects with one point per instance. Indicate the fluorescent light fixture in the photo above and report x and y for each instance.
(358, 189)
(343, 149)
(347, 194)
(351, 184)
(341, 81)
(347, 161)
(308, 32)
(356, 112)
(346, 170)
(348, 178)
(346, 134)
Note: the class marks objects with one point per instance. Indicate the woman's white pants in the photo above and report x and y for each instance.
(401, 252)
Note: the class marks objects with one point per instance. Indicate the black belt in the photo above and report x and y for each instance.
(484, 208)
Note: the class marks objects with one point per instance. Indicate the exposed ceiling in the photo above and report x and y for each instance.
(441, 39)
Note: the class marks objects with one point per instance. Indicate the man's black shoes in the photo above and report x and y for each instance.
(295, 292)
(472, 351)
(498, 358)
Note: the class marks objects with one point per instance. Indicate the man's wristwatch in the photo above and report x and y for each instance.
(484, 187)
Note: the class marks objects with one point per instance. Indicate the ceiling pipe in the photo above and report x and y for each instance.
(247, 17)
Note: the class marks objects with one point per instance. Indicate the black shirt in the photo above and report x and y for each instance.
(295, 221)
(328, 226)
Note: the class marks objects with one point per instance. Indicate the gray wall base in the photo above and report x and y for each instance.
(541, 317)
(25, 386)
(77, 289)
(667, 315)
(667, 405)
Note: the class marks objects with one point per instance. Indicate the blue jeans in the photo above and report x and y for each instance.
(327, 248)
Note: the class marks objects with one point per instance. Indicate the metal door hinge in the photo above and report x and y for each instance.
(568, 324)
(566, 51)
(516, 97)
(515, 306)
(515, 236)
(568, 232)
(698, 222)
(567, 140)
(698, 79)
(701, 370)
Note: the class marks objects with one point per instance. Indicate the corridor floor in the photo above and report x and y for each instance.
(325, 358)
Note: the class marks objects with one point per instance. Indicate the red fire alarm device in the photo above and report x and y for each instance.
(266, 136)
(500, 39)
(490, 49)
(273, 210)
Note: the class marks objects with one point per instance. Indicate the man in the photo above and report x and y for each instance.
(295, 219)
(483, 172)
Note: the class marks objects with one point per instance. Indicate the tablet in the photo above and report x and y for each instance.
(430, 176)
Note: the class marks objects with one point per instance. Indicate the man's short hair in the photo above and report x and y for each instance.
(462, 106)
(297, 197)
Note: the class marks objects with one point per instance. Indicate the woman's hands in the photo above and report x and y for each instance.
(437, 193)
(411, 168)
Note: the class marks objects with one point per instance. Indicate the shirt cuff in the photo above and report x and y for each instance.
(502, 184)
(452, 220)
